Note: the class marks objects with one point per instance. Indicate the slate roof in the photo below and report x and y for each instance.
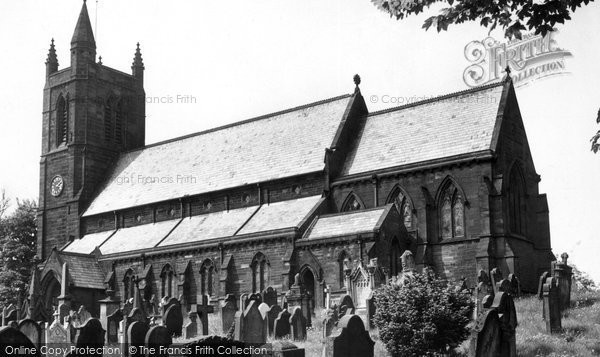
(280, 215)
(87, 243)
(209, 226)
(275, 146)
(138, 237)
(346, 223)
(443, 127)
(84, 270)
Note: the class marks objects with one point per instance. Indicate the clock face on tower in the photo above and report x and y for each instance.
(56, 185)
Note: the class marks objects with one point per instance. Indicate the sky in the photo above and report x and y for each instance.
(239, 59)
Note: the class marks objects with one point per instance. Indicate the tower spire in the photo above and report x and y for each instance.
(83, 45)
(51, 60)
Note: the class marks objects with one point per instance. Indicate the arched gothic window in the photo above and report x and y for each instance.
(516, 202)
(395, 265)
(128, 285)
(452, 212)
(62, 120)
(351, 204)
(404, 206)
(207, 273)
(260, 272)
(166, 281)
(343, 264)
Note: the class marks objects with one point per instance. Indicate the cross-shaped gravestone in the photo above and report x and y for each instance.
(203, 310)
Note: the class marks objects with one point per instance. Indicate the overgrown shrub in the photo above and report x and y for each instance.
(422, 316)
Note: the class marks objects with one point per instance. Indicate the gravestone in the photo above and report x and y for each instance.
(202, 310)
(250, 325)
(495, 277)
(284, 349)
(57, 336)
(353, 340)
(214, 343)
(190, 327)
(272, 315)
(552, 306)
(504, 305)
(173, 319)
(254, 297)
(90, 337)
(32, 330)
(9, 313)
(540, 292)
(563, 273)
(83, 315)
(228, 312)
(515, 285)
(298, 324)
(112, 326)
(503, 286)
(18, 341)
(158, 338)
(297, 296)
(346, 306)
(328, 325)
(486, 336)
(243, 301)
(484, 288)
(136, 335)
(281, 326)
(269, 296)
(371, 308)
(264, 309)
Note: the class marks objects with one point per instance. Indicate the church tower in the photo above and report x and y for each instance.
(91, 114)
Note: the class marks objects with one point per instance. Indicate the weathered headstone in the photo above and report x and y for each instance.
(298, 324)
(563, 273)
(173, 319)
(408, 262)
(203, 308)
(503, 286)
(9, 313)
(84, 315)
(484, 288)
(263, 308)
(57, 336)
(353, 340)
(32, 330)
(272, 315)
(552, 306)
(158, 338)
(496, 277)
(298, 296)
(269, 296)
(284, 349)
(281, 326)
(251, 325)
(190, 326)
(228, 312)
(486, 336)
(16, 340)
(90, 337)
(515, 285)
(243, 301)
(112, 326)
(136, 335)
(505, 307)
(254, 297)
(371, 308)
(346, 306)
(542, 281)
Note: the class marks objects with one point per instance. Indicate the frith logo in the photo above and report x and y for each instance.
(531, 58)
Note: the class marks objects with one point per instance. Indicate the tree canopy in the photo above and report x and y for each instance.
(17, 250)
(514, 16)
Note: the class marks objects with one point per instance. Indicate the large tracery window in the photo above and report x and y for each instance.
(351, 204)
(404, 206)
(166, 281)
(62, 120)
(452, 212)
(128, 285)
(207, 273)
(516, 202)
(260, 273)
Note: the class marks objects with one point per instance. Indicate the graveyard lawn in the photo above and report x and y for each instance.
(581, 328)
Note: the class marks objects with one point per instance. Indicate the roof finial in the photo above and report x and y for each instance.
(100, 60)
(51, 60)
(356, 79)
(507, 77)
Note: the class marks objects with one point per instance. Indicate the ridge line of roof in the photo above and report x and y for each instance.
(245, 121)
(439, 98)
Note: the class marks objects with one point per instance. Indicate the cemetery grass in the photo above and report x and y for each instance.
(581, 328)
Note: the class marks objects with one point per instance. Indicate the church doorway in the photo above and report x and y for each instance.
(51, 289)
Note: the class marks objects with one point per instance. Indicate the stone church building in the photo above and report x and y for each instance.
(319, 190)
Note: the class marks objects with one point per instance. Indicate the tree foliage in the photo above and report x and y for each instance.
(513, 16)
(596, 138)
(422, 316)
(17, 250)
